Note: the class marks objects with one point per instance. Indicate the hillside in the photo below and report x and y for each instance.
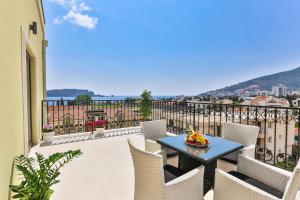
(291, 79)
(69, 93)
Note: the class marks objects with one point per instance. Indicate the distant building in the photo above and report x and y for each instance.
(268, 127)
(293, 93)
(296, 103)
(279, 90)
(263, 93)
(224, 101)
(267, 101)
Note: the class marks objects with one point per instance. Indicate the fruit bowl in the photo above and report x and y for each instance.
(196, 139)
(196, 145)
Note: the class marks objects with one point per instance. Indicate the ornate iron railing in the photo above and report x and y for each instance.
(278, 142)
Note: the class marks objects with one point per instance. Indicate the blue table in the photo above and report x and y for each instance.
(191, 157)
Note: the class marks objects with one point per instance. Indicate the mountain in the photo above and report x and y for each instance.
(291, 79)
(69, 93)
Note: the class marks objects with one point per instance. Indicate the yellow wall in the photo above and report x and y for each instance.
(15, 16)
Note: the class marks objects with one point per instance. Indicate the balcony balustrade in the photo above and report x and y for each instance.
(277, 143)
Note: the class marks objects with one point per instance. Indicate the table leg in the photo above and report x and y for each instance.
(209, 176)
(187, 164)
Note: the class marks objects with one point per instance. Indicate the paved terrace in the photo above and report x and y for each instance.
(104, 171)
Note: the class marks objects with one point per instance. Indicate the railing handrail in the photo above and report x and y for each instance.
(186, 102)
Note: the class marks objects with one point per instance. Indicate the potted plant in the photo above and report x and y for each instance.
(48, 134)
(100, 127)
(40, 174)
(145, 105)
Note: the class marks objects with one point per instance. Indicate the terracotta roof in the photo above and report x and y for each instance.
(56, 113)
(260, 98)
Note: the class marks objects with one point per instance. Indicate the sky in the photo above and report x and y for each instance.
(171, 47)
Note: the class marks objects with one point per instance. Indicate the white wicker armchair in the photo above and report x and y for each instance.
(150, 179)
(154, 130)
(264, 182)
(243, 134)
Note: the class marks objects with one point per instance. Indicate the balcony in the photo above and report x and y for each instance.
(277, 123)
(105, 171)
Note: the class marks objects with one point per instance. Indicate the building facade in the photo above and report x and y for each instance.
(22, 82)
(279, 91)
(296, 103)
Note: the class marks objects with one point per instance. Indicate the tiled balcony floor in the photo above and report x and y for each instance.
(104, 171)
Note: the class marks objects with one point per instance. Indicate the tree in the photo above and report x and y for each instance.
(84, 99)
(71, 103)
(130, 100)
(145, 104)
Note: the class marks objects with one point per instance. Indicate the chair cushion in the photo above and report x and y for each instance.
(232, 157)
(172, 173)
(257, 184)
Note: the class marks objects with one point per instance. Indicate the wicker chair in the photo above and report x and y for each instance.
(154, 130)
(255, 180)
(244, 134)
(155, 182)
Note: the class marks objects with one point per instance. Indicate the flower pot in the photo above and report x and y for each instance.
(100, 132)
(48, 137)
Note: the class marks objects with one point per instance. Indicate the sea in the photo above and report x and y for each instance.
(111, 98)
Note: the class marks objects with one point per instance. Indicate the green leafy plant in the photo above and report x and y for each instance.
(84, 99)
(145, 104)
(40, 174)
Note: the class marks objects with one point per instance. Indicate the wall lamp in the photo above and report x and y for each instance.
(33, 27)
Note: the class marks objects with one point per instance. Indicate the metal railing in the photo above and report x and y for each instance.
(277, 144)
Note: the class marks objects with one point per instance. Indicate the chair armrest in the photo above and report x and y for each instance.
(249, 151)
(171, 134)
(158, 153)
(152, 146)
(228, 187)
(209, 195)
(186, 187)
(270, 175)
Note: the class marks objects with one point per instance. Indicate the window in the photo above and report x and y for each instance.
(280, 137)
(259, 125)
(269, 124)
(269, 139)
(68, 121)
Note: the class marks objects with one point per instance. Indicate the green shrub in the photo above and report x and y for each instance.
(145, 104)
(40, 174)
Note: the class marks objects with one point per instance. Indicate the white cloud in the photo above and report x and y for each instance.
(77, 13)
(81, 19)
(58, 20)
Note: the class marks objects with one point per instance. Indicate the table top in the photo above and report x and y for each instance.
(217, 148)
